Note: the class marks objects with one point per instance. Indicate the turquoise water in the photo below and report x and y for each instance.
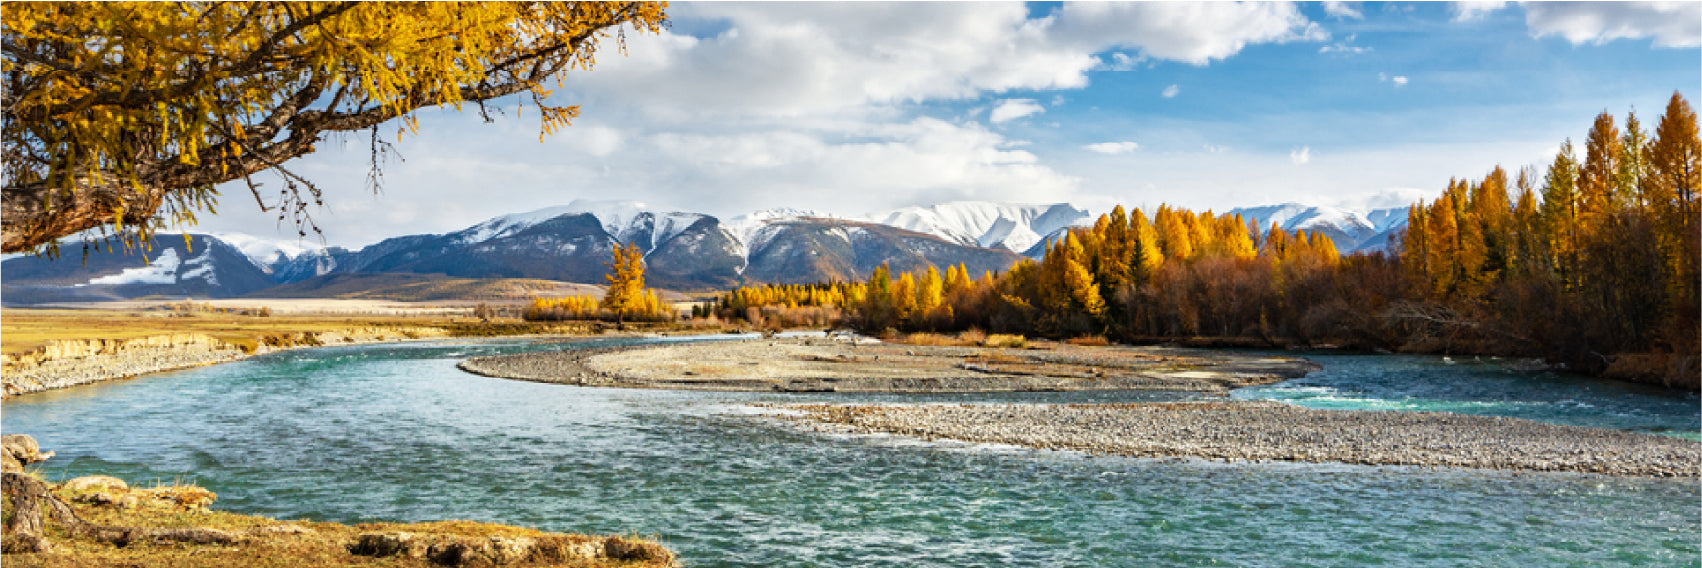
(395, 432)
(1486, 386)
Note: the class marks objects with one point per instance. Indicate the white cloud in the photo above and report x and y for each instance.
(1123, 147)
(1191, 32)
(1344, 46)
(1349, 10)
(1012, 109)
(1671, 24)
(1399, 80)
(1468, 11)
(1170, 92)
(1300, 156)
(790, 59)
(803, 104)
(1216, 149)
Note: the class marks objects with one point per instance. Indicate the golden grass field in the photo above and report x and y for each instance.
(233, 321)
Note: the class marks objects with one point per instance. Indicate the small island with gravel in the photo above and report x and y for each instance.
(1217, 429)
(841, 365)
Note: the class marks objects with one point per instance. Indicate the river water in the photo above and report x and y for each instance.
(396, 432)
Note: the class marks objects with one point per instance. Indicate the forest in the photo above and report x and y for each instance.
(1589, 263)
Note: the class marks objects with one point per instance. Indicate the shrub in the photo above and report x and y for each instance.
(1088, 340)
(1006, 340)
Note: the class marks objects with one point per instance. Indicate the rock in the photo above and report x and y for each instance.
(617, 548)
(187, 497)
(380, 545)
(20, 450)
(96, 483)
(504, 550)
(284, 529)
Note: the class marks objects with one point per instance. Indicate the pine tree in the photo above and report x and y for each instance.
(1145, 256)
(904, 304)
(1560, 212)
(929, 291)
(1598, 194)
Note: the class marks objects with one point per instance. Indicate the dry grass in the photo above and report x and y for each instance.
(1007, 340)
(271, 543)
(24, 330)
(974, 336)
(932, 339)
(1089, 341)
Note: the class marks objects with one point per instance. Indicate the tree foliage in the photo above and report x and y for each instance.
(1594, 265)
(125, 115)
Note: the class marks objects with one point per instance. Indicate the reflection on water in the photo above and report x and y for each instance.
(396, 432)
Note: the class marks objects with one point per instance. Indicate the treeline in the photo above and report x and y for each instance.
(626, 299)
(1593, 265)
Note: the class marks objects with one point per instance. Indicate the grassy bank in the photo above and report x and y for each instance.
(26, 330)
(262, 542)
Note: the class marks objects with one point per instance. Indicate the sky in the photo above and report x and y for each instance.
(854, 108)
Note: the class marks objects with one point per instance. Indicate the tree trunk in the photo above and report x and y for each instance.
(26, 532)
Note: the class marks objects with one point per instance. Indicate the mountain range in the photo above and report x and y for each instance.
(682, 250)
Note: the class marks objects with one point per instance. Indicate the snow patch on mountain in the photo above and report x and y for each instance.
(1011, 226)
(625, 221)
(752, 230)
(266, 253)
(162, 270)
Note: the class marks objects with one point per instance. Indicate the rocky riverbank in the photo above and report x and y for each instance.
(824, 365)
(104, 521)
(75, 362)
(1258, 430)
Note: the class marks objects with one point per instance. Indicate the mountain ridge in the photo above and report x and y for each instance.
(683, 250)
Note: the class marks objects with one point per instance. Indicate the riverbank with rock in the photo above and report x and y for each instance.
(105, 521)
(841, 365)
(1270, 431)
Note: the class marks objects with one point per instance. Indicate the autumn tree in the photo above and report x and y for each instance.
(126, 115)
(625, 295)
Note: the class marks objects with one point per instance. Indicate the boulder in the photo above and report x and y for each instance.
(380, 545)
(96, 483)
(19, 450)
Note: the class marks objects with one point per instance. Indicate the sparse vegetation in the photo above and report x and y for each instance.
(1007, 340)
(263, 542)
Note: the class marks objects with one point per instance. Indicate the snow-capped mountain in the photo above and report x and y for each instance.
(682, 250)
(169, 266)
(1352, 231)
(1013, 227)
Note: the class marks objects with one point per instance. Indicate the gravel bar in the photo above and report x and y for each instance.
(1262, 430)
(824, 365)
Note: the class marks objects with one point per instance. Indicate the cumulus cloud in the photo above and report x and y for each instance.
(1012, 109)
(789, 59)
(1113, 148)
(1398, 80)
(1193, 32)
(1170, 92)
(1347, 10)
(742, 106)
(1671, 24)
(1300, 156)
(1468, 11)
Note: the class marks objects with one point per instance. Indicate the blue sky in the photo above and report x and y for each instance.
(861, 107)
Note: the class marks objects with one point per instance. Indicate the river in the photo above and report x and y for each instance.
(396, 432)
